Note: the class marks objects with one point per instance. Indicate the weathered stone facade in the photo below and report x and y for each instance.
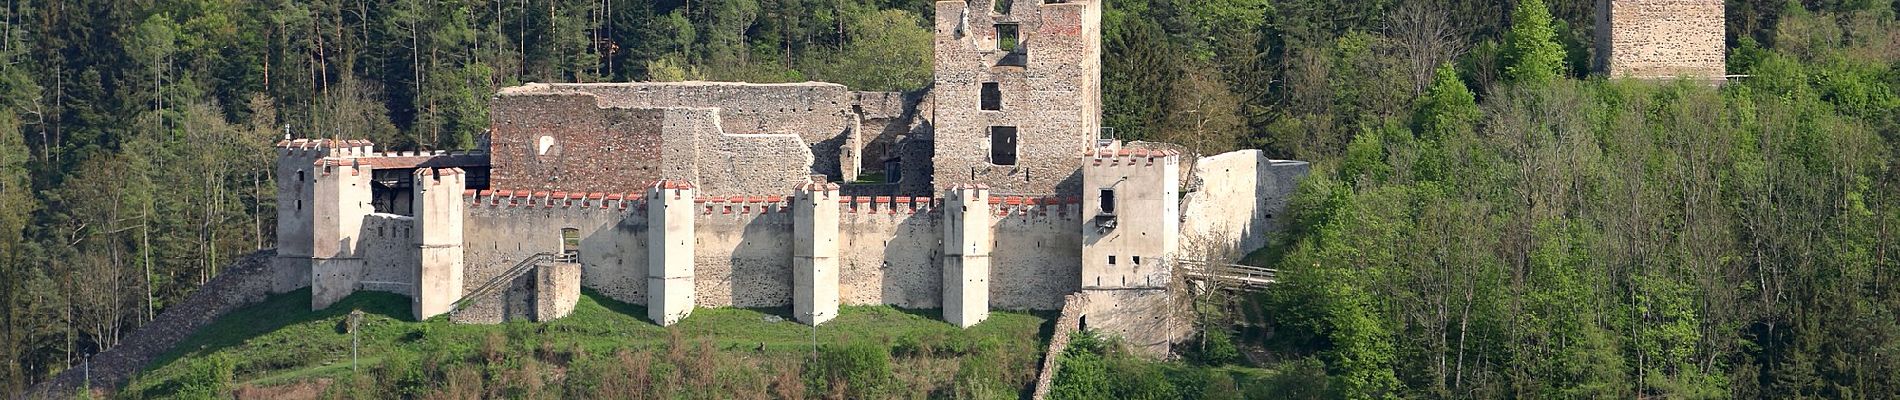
(1661, 39)
(1046, 93)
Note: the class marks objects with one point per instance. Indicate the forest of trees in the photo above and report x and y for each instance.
(1484, 218)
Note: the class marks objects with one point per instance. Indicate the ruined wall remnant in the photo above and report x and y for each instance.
(730, 138)
(1661, 38)
(1236, 199)
(1017, 95)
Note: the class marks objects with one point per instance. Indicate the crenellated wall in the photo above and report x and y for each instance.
(889, 247)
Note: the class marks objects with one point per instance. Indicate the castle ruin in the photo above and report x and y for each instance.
(993, 190)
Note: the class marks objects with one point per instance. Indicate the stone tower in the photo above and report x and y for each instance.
(1017, 93)
(1661, 39)
(438, 205)
(1131, 218)
(322, 195)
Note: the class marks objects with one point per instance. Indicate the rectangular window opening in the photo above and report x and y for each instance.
(1135, 259)
(992, 97)
(1111, 260)
(1003, 145)
(1007, 38)
(1108, 201)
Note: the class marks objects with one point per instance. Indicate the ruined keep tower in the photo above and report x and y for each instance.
(1017, 92)
(1661, 39)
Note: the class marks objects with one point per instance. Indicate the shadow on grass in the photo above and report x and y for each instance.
(935, 314)
(630, 309)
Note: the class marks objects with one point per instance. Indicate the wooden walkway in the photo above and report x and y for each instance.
(1235, 276)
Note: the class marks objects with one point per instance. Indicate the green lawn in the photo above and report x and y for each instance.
(280, 341)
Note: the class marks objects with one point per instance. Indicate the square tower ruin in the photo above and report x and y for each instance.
(1017, 93)
(1660, 39)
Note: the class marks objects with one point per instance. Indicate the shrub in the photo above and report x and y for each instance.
(862, 369)
(206, 378)
(1216, 348)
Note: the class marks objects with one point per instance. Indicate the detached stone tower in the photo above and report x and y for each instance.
(1661, 39)
(1017, 92)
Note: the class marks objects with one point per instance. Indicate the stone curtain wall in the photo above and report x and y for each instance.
(1662, 38)
(1052, 96)
(890, 247)
(1237, 198)
(743, 253)
(1038, 254)
(246, 281)
(390, 256)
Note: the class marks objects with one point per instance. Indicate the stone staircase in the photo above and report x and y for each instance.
(242, 283)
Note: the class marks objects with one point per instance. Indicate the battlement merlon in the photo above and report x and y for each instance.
(319, 148)
(1122, 156)
(440, 176)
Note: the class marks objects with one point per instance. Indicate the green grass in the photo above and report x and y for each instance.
(280, 341)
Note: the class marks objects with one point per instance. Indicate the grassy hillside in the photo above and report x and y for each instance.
(606, 349)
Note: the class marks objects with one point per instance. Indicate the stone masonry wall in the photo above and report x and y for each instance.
(1050, 92)
(743, 256)
(593, 138)
(1661, 38)
(390, 257)
(589, 147)
(890, 248)
(1237, 198)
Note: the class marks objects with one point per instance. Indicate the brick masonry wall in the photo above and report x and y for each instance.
(1662, 38)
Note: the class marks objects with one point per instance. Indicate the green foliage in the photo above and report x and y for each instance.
(208, 377)
(606, 349)
(1216, 348)
(1447, 108)
(1532, 53)
(862, 370)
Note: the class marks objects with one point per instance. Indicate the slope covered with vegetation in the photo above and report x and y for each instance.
(606, 349)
